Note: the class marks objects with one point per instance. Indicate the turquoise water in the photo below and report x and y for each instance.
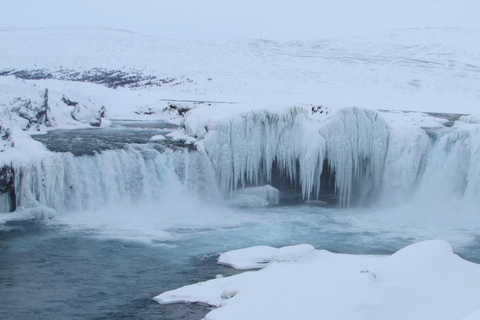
(69, 268)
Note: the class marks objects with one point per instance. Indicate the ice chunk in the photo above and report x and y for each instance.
(255, 197)
(158, 137)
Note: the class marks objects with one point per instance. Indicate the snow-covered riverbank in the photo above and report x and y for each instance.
(422, 281)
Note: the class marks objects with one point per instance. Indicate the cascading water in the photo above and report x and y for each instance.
(139, 173)
(107, 168)
(356, 156)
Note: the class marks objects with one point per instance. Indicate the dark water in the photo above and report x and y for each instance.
(122, 133)
(50, 271)
(47, 273)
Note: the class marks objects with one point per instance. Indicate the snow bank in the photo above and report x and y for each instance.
(259, 256)
(422, 281)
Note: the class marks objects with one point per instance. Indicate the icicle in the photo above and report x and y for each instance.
(246, 146)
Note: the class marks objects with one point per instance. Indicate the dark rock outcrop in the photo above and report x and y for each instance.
(7, 179)
(35, 112)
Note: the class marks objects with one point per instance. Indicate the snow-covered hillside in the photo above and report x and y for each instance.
(409, 69)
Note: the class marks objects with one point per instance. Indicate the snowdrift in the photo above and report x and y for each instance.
(422, 281)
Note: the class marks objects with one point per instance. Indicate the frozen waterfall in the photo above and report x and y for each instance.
(138, 173)
(246, 149)
(359, 155)
(347, 157)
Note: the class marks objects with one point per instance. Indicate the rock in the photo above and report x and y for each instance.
(91, 116)
(36, 112)
(7, 179)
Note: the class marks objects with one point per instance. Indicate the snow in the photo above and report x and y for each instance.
(259, 256)
(264, 19)
(180, 136)
(252, 102)
(422, 281)
(426, 69)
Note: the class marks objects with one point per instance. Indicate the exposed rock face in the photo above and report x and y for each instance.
(86, 115)
(28, 105)
(36, 112)
(6, 140)
(7, 179)
(107, 77)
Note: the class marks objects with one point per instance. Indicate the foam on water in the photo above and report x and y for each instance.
(372, 230)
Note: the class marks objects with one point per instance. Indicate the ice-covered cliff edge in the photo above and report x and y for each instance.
(359, 155)
(345, 156)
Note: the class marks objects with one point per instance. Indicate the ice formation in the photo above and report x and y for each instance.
(358, 155)
(68, 183)
(369, 155)
(255, 197)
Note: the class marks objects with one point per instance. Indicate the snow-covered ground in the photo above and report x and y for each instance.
(422, 281)
(409, 69)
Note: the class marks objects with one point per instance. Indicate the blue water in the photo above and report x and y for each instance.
(51, 270)
(46, 273)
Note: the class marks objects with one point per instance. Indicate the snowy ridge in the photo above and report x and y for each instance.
(428, 69)
(422, 281)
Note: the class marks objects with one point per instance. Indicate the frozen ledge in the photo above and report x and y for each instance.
(422, 281)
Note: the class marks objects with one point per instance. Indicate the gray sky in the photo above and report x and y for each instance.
(221, 19)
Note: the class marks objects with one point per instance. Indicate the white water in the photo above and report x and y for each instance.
(165, 207)
(372, 158)
(136, 175)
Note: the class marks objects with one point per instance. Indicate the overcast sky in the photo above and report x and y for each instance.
(221, 19)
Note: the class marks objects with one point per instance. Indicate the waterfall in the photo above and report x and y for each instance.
(353, 156)
(138, 173)
(367, 155)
